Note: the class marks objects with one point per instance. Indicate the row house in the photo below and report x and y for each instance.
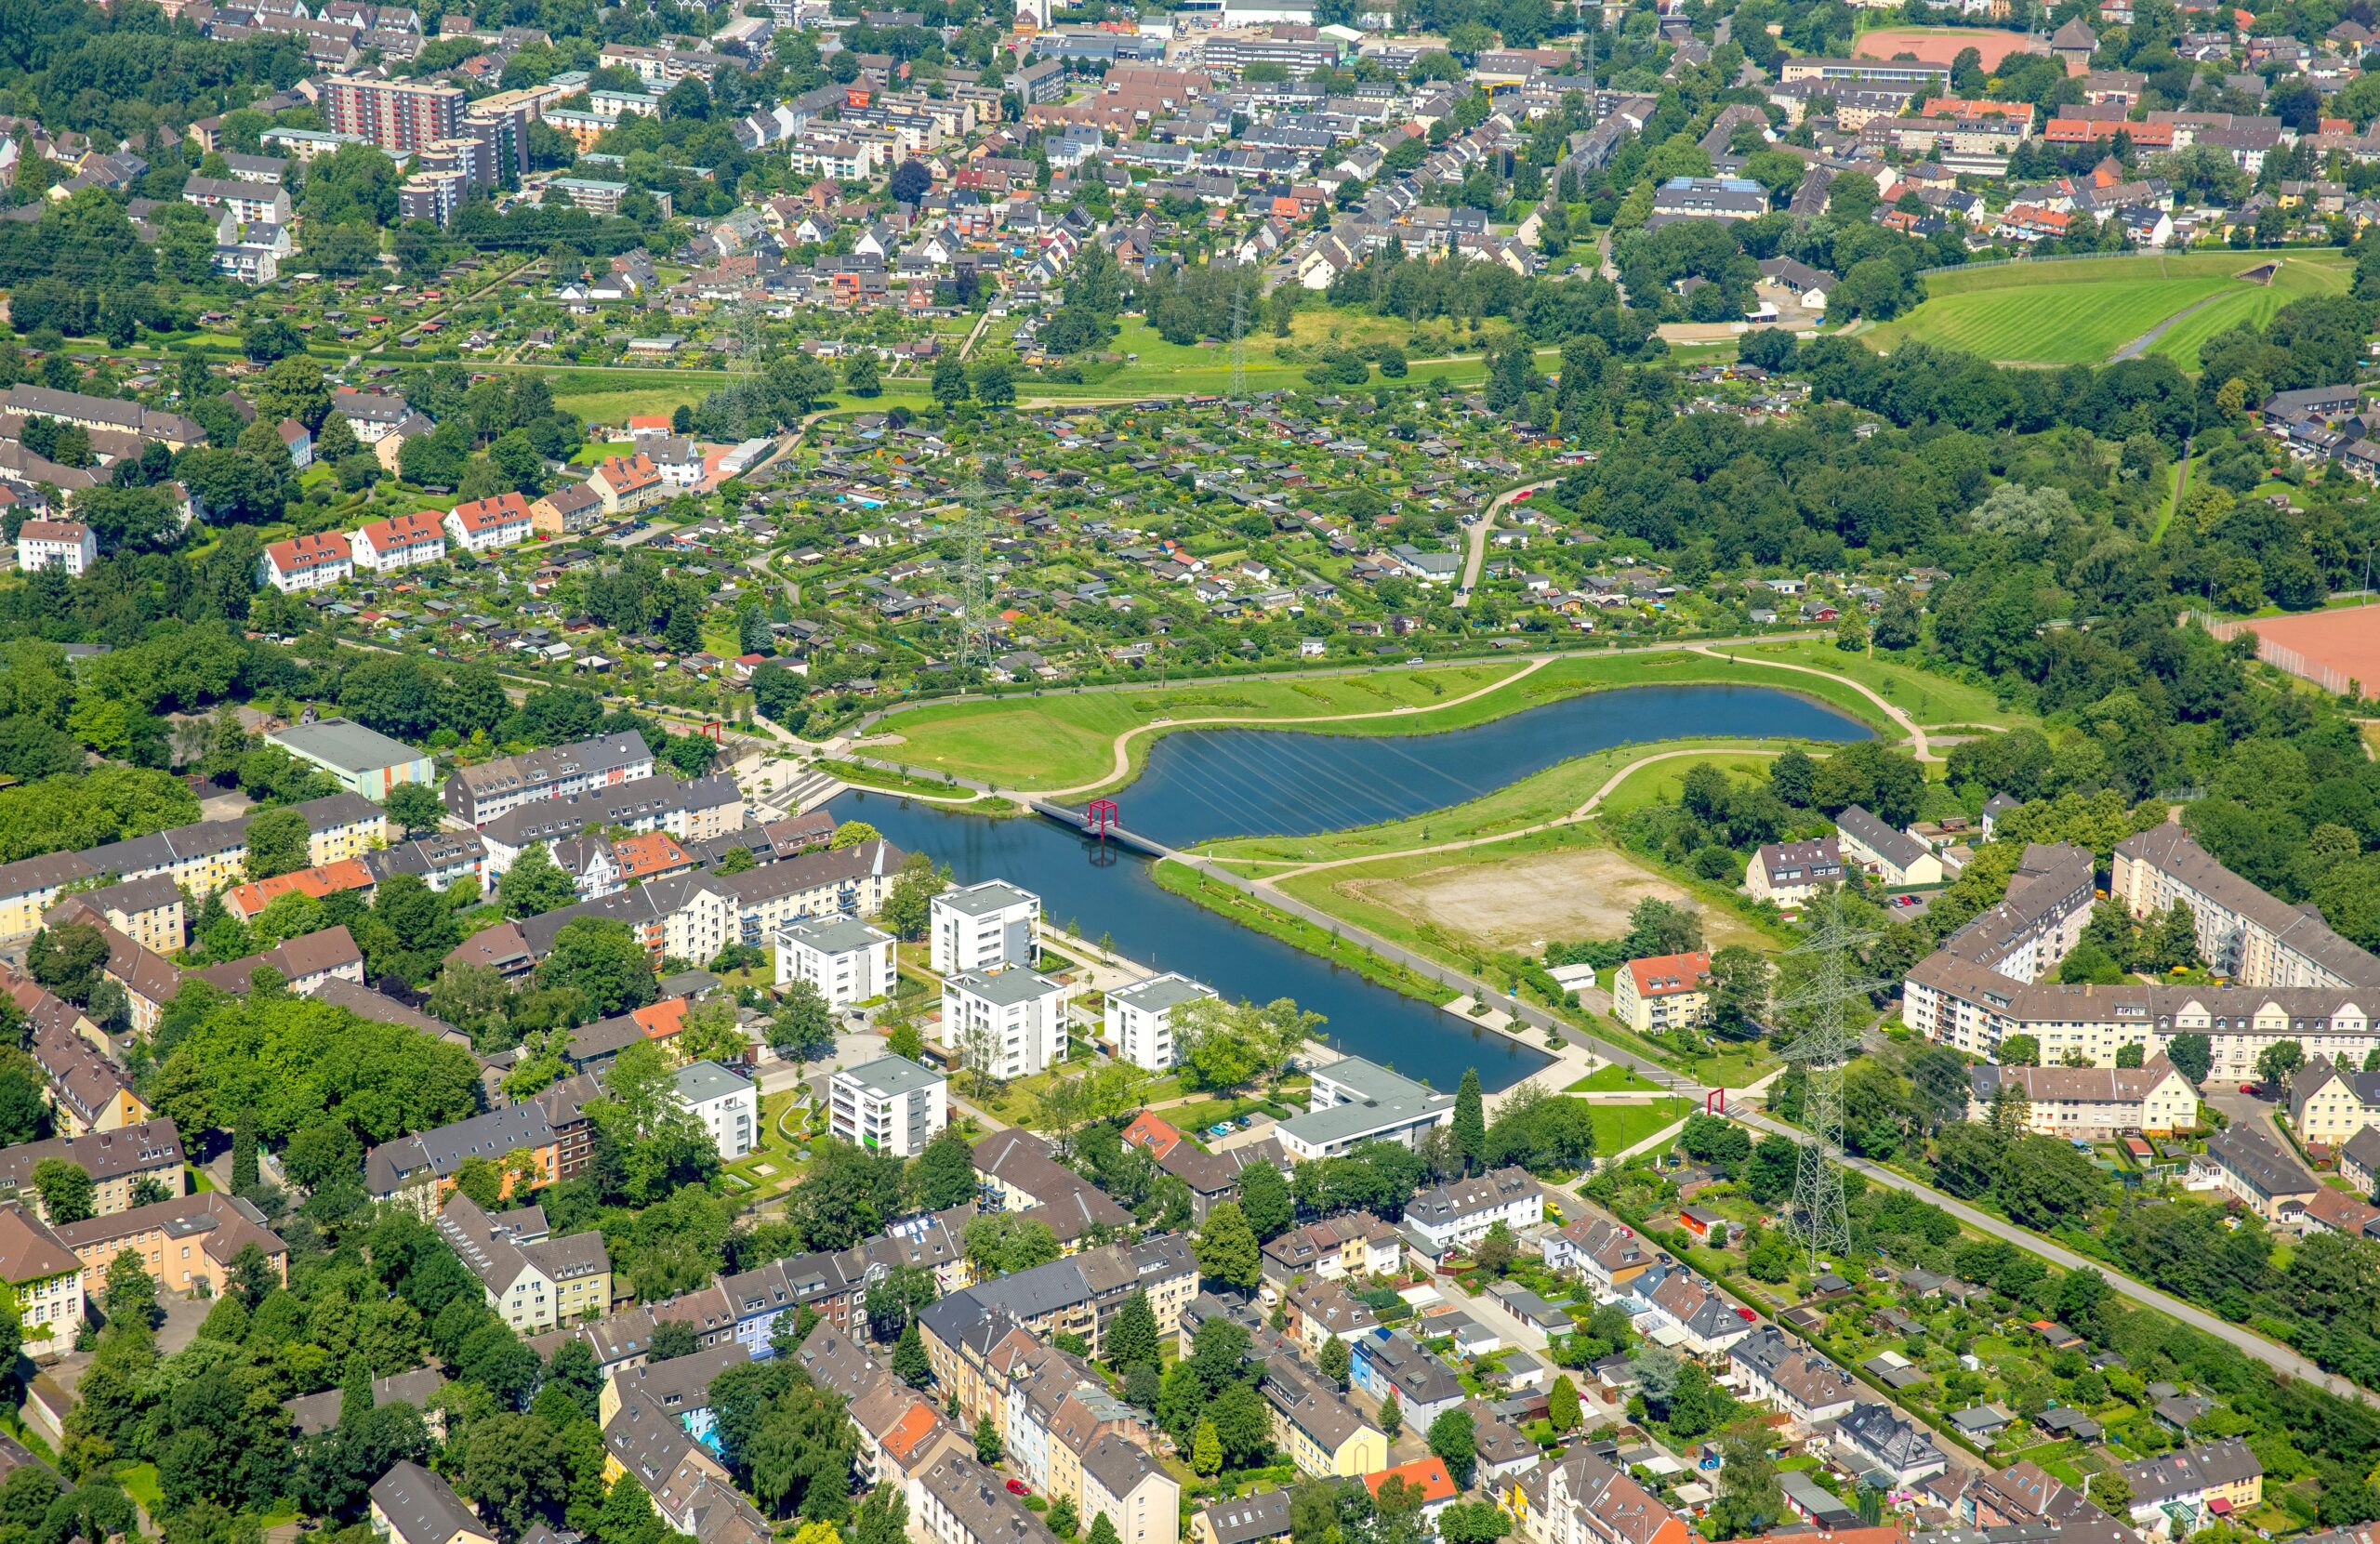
(398, 543)
(1680, 1309)
(489, 524)
(200, 858)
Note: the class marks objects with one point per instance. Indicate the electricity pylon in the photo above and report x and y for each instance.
(1820, 1218)
(976, 598)
(1239, 336)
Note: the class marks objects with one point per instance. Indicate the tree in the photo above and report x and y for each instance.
(1392, 1416)
(1562, 1403)
(1062, 1519)
(2111, 1492)
(943, 1175)
(988, 1442)
(1470, 1122)
(601, 959)
(1266, 1201)
(2277, 1062)
(1131, 1340)
(279, 842)
(1226, 1247)
(414, 806)
(2045, 1183)
(1338, 1361)
(1455, 1438)
(66, 1191)
(910, 1364)
(908, 903)
(2192, 1055)
(949, 387)
(534, 883)
(2018, 1051)
(245, 1175)
(1206, 1453)
(995, 383)
(68, 960)
(802, 1027)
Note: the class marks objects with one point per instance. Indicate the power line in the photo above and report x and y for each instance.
(1822, 1217)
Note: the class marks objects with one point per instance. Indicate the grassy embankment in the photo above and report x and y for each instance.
(2083, 312)
(1068, 741)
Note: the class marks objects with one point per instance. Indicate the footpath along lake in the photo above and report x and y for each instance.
(1205, 783)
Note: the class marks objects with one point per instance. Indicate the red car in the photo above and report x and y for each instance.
(2247, 1088)
(1018, 1487)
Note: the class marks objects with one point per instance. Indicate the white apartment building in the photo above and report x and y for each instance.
(888, 1105)
(1460, 1214)
(66, 544)
(984, 927)
(727, 1106)
(1009, 1022)
(306, 563)
(1355, 1102)
(400, 542)
(847, 961)
(1140, 1019)
(486, 524)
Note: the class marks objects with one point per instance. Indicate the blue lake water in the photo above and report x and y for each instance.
(1203, 783)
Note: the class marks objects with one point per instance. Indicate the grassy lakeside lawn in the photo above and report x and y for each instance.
(1929, 698)
(1542, 797)
(2081, 312)
(1067, 741)
(1060, 741)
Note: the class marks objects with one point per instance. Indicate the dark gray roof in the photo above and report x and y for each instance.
(1250, 1519)
(423, 1509)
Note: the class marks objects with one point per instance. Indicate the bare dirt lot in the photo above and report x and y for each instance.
(1527, 901)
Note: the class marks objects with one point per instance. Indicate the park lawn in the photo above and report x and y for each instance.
(1068, 741)
(1661, 782)
(1613, 1078)
(1061, 741)
(1926, 696)
(1619, 1126)
(1553, 794)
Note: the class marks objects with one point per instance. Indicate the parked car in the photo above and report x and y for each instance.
(1018, 1487)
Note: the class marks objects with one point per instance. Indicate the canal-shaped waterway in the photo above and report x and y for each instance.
(1203, 783)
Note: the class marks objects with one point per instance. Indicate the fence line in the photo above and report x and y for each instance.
(2328, 676)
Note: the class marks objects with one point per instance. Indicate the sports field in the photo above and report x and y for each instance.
(2086, 313)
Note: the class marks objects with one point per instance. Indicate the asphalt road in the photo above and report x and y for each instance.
(2280, 1358)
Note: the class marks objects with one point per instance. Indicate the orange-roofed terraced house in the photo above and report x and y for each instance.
(1428, 1476)
(649, 855)
(306, 563)
(486, 524)
(399, 542)
(663, 1020)
(627, 484)
(1153, 1131)
(1662, 992)
(246, 901)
